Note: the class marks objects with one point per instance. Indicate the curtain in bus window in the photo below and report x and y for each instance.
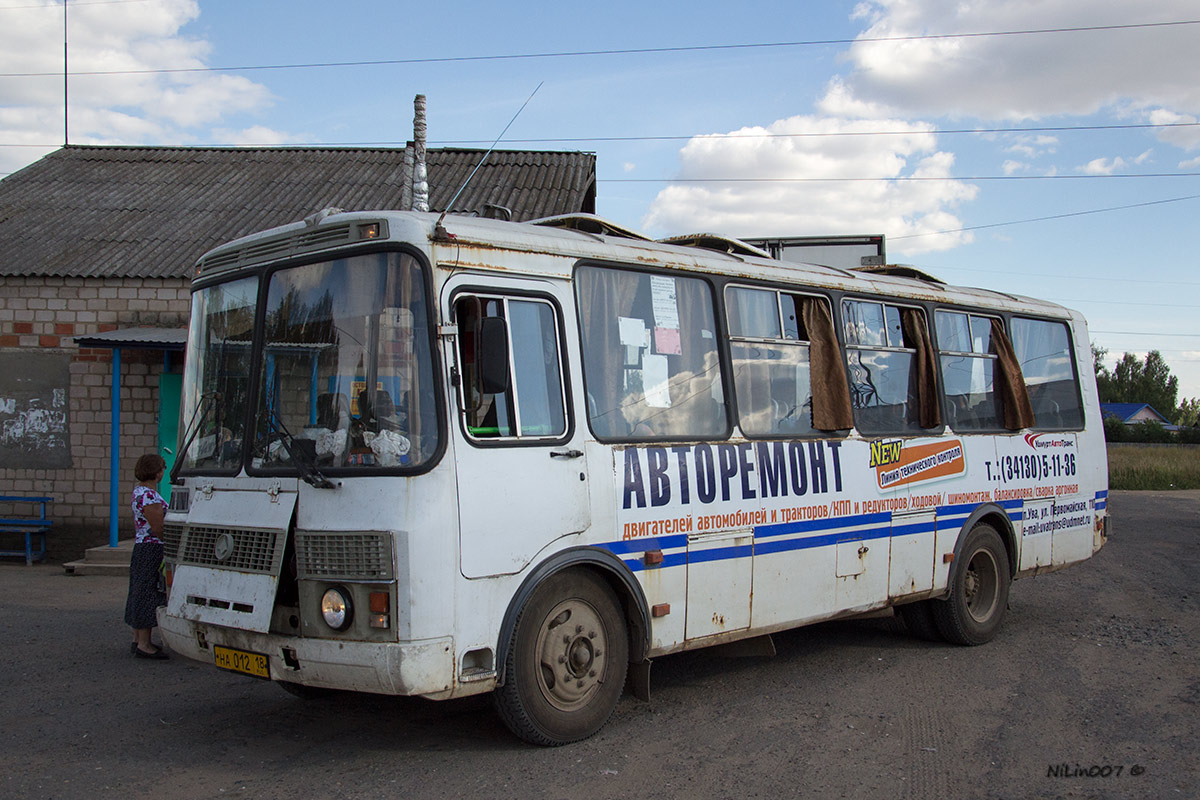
(1018, 411)
(831, 409)
(1043, 350)
(928, 415)
(650, 358)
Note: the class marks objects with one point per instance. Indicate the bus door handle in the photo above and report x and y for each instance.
(566, 453)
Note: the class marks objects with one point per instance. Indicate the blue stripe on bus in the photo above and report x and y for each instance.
(649, 543)
(809, 542)
(785, 528)
(768, 538)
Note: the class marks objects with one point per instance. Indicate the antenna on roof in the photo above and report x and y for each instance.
(438, 230)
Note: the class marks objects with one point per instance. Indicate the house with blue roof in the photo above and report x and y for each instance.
(1133, 413)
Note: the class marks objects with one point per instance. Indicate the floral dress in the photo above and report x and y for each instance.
(145, 595)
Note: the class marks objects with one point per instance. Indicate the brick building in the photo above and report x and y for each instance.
(96, 248)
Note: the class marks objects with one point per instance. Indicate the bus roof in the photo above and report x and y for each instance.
(593, 238)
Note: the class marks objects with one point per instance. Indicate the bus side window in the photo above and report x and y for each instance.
(788, 381)
(889, 358)
(969, 368)
(516, 394)
(1044, 351)
(651, 363)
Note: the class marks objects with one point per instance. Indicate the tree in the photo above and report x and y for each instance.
(1189, 412)
(1134, 381)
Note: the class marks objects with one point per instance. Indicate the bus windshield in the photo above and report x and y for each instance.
(344, 374)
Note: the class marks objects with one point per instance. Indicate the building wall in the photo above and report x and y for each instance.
(39, 318)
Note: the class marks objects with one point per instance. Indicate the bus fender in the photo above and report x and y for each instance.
(613, 569)
(1003, 524)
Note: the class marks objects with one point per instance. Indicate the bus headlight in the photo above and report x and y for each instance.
(336, 608)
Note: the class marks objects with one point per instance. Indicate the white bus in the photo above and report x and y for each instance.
(446, 457)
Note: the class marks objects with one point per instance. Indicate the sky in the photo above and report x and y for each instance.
(1049, 148)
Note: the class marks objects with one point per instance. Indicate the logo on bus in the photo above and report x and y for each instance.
(1046, 441)
(885, 453)
(917, 463)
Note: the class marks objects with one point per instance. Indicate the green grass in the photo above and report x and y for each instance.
(1154, 467)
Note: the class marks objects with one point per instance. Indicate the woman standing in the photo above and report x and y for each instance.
(145, 596)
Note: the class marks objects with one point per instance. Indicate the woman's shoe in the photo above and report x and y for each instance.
(159, 655)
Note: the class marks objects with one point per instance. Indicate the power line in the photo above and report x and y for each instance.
(621, 52)
(74, 4)
(690, 136)
(905, 178)
(829, 134)
(1050, 217)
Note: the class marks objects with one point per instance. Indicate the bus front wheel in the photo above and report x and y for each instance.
(566, 662)
(972, 612)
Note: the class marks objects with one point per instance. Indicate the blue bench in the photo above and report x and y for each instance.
(30, 526)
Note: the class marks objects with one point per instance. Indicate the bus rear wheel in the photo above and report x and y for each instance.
(566, 662)
(973, 611)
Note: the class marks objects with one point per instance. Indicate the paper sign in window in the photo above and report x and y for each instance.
(655, 374)
(663, 298)
(666, 342)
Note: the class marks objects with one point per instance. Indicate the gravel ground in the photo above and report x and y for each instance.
(1091, 689)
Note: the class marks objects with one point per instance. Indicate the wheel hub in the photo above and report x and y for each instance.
(571, 645)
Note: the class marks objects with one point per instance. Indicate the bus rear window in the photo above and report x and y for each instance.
(1044, 350)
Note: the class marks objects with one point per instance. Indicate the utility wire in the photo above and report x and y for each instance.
(1050, 217)
(907, 178)
(829, 134)
(620, 52)
(688, 137)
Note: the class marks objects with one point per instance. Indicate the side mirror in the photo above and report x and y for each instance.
(492, 342)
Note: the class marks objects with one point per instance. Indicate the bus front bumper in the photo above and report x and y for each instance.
(424, 668)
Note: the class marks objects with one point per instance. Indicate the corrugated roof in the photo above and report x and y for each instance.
(87, 211)
(152, 338)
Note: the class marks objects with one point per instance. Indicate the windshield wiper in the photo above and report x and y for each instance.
(299, 455)
(208, 401)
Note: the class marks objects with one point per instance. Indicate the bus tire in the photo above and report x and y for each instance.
(974, 609)
(566, 662)
(918, 618)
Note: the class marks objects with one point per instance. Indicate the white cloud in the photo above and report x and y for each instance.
(1023, 77)
(1102, 166)
(1011, 167)
(135, 106)
(255, 135)
(1190, 163)
(1032, 146)
(1107, 166)
(775, 207)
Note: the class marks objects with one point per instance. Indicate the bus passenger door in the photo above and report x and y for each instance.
(522, 474)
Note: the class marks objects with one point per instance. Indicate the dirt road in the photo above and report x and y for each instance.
(1091, 689)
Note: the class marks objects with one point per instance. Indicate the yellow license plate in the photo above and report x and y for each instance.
(255, 664)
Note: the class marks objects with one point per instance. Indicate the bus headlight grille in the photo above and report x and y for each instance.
(346, 556)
